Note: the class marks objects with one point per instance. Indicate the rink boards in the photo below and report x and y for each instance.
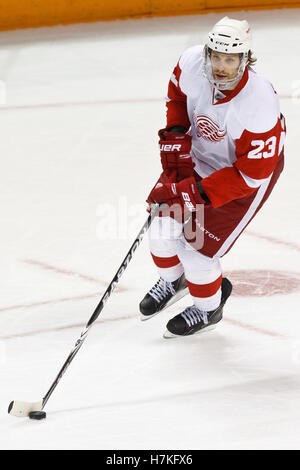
(18, 14)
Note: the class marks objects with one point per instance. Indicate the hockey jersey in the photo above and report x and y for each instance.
(237, 135)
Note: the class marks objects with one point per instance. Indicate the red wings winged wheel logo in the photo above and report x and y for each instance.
(208, 129)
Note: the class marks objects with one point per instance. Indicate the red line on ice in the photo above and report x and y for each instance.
(247, 326)
(70, 273)
(48, 302)
(246, 283)
(293, 246)
(60, 328)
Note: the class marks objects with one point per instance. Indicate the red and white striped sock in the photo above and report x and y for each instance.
(206, 296)
(163, 242)
(169, 267)
(203, 276)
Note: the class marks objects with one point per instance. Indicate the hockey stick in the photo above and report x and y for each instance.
(21, 408)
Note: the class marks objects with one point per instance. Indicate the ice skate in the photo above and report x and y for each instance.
(162, 295)
(193, 320)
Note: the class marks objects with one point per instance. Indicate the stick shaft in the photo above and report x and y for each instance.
(102, 302)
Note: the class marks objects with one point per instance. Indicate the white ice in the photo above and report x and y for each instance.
(79, 155)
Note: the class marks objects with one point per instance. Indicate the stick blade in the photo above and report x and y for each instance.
(21, 409)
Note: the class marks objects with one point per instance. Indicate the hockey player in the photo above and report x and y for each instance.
(221, 154)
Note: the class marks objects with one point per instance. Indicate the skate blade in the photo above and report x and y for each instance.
(168, 335)
(172, 301)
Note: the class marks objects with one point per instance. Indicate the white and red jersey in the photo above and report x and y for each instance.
(237, 135)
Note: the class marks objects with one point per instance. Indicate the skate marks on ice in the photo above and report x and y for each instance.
(100, 102)
(263, 282)
(255, 388)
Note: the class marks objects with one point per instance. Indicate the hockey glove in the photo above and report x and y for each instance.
(184, 193)
(175, 150)
(165, 177)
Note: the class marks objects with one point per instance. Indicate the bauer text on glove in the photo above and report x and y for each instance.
(185, 193)
(175, 150)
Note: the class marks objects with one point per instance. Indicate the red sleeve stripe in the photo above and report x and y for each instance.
(204, 290)
(165, 262)
(225, 185)
(177, 114)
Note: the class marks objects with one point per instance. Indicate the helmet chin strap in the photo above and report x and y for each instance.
(223, 84)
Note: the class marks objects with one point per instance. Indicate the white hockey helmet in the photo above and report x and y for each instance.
(230, 36)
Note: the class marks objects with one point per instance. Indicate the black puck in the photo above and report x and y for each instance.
(37, 415)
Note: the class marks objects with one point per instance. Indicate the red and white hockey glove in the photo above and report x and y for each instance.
(165, 177)
(184, 193)
(175, 150)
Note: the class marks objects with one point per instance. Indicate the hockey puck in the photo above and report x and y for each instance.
(37, 415)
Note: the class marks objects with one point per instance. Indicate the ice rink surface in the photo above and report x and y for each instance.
(78, 157)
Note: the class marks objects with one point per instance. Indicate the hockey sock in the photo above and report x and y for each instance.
(206, 297)
(169, 268)
(163, 243)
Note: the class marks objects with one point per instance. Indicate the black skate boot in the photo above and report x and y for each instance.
(193, 320)
(162, 295)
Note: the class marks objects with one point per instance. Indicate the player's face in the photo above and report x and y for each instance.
(224, 66)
